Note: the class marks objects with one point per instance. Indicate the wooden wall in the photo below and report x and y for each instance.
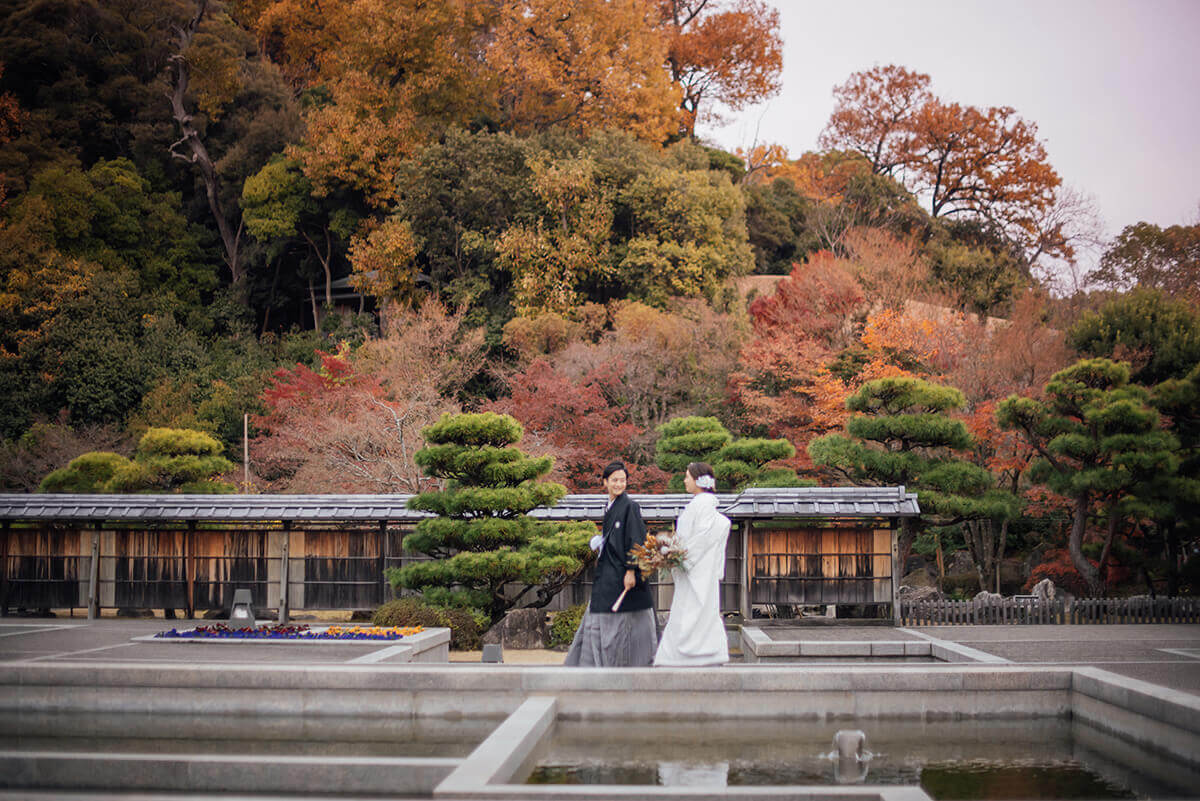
(198, 569)
(332, 567)
(820, 566)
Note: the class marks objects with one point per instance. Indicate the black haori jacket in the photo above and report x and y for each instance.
(622, 529)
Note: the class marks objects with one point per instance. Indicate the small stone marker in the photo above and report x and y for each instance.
(241, 616)
(493, 653)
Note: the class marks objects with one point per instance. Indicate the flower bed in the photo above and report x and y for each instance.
(219, 631)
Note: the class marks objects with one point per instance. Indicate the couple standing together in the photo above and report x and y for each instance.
(627, 636)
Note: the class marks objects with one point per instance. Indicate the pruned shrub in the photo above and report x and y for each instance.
(465, 633)
(960, 585)
(565, 624)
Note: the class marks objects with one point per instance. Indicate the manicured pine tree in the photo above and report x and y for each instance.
(737, 463)
(1099, 444)
(900, 434)
(166, 460)
(488, 553)
(1179, 518)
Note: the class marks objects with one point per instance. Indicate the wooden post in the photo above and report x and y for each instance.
(895, 574)
(5, 530)
(382, 563)
(283, 572)
(245, 453)
(189, 566)
(744, 582)
(94, 574)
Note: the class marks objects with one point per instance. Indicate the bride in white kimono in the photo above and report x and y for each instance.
(695, 632)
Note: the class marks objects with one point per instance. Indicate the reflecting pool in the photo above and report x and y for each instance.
(1046, 758)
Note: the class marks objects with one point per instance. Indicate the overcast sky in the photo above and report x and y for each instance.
(1113, 85)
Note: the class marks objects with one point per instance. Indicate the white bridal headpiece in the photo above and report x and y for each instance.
(706, 482)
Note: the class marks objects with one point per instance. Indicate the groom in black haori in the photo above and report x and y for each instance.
(618, 628)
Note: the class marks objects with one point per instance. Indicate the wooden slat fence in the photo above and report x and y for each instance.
(1010, 611)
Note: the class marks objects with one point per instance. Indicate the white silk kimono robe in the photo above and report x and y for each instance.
(695, 632)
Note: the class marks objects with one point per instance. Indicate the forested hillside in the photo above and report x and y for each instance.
(346, 218)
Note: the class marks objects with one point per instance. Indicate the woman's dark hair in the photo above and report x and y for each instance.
(612, 468)
(697, 469)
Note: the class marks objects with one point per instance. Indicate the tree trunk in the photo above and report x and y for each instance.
(941, 559)
(1114, 523)
(1075, 546)
(198, 153)
(905, 543)
(325, 259)
(1001, 544)
(312, 296)
(986, 549)
(1172, 537)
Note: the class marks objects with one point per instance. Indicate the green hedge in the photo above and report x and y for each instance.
(565, 624)
(465, 632)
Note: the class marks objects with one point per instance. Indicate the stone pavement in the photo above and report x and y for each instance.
(1166, 654)
(1163, 654)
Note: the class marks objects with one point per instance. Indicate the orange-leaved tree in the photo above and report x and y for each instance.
(965, 161)
(392, 76)
(572, 420)
(728, 53)
(874, 115)
(584, 65)
(782, 384)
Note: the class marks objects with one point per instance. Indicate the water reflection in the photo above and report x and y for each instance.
(850, 756)
(951, 760)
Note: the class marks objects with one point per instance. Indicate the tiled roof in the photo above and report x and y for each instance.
(752, 504)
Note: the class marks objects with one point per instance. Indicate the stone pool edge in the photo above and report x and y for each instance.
(526, 702)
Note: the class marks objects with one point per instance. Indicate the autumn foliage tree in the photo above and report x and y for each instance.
(571, 420)
(335, 429)
(1147, 256)
(395, 75)
(583, 65)
(727, 53)
(873, 115)
(782, 384)
(985, 163)
(353, 424)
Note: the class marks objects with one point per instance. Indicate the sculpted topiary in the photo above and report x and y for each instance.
(488, 553)
(737, 463)
(166, 460)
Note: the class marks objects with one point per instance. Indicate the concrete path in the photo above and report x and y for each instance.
(1164, 654)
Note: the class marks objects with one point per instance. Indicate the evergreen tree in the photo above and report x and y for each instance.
(166, 460)
(488, 553)
(1158, 334)
(900, 434)
(1100, 445)
(1179, 516)
(738, 464)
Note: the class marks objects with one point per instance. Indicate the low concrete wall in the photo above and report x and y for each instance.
(373, 691)
(1167, 721)
(758, 647)
(222, 774)
(529, 700)
(499, 758)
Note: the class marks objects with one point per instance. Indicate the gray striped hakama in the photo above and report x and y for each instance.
(614, 639)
